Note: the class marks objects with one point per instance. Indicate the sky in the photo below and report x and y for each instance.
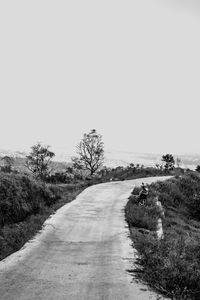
(129, 69)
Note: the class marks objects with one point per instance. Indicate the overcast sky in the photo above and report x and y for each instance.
(130, 69)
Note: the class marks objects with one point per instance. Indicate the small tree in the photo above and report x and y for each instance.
(38, 161)
(198, 168)
(8, 163)
(90, 153)
(169, 161)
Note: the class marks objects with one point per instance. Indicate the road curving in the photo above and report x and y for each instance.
(83, 252)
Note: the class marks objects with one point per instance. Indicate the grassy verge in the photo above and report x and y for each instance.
(133, 172)
(26, 204)
(13, 235)
(172, 265)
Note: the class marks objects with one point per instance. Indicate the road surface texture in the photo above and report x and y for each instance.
(83, 252)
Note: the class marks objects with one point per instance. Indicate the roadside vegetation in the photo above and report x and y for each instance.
(24, 206)
(170, 265)
(28, 198)
(30, 194)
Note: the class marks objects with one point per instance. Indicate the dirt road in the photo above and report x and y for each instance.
(83, 252)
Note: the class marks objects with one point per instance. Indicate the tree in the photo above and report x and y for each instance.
(198, 168)
(169, 161)
(90, 153)
(8, 163)
(38, 161)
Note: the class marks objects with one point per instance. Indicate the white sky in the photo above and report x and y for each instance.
(130, 69)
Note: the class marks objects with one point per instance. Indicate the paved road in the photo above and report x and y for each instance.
(83, 252)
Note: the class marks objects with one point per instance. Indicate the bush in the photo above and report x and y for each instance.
(49, 198)
(182, 193)
(171, 265)
(130, 172)
(142, 216)
(21, 196)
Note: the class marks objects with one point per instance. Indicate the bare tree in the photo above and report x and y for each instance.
(38, 161)
(90, 152)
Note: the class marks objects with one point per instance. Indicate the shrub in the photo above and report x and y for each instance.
(21, 196)
(14, 235)
(144, 216)
(171, 265)
(182, 193)
(141, 217)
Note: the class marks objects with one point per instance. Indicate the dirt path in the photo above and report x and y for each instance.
(82, 253)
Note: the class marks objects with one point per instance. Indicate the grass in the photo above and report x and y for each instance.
(131, 172)
(172, 265)
(25, 204)
(13, 236)
(142, 217)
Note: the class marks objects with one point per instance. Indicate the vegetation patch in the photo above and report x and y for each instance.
(171, 265)
(25, 202)
(24, 206)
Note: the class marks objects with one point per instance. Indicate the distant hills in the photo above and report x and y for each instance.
(112, 159)
(20, 158)
(116, 158)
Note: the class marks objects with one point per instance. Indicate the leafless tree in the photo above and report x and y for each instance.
(90, 152)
